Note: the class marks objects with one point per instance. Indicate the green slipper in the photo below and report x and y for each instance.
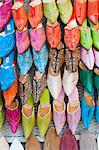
(50, 11)
(65, 8)
(95, 35)
(28, 117)
(86, 39)
(44, 113)
(86, 77)
(2, 113)
(96, 78)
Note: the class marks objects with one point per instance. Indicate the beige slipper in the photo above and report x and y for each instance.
(52, 140)
(33, 144)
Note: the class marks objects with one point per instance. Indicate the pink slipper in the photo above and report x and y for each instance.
(59, 108)
(70, 80)
(22, 40)
(73, 110)
(5, 12)
(96, 57)
(87, 56)
(13, 115)
(37, 37)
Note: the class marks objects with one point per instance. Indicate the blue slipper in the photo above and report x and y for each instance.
(41, 58)
(7, 72)
(87, 107)
(7, 39)
(97, 107)
(25, 62)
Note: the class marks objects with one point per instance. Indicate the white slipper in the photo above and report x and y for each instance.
(54, 84)
(3, 144)
(16, 145)
(69, 81)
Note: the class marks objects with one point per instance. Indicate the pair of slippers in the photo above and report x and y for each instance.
(16, 144)
(89, 35)
(37, 38)
(73, 111)
(82, 12)
(55, 83)
(44, 115)
(39, 49)
(35, 14)
(57, 7)
(52, 141)
(56, 56)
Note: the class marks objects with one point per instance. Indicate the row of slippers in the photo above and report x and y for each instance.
(55, 65)
(20, 15)
(59, 7)
(86, 49)
(86, 78)
(55, 142)
(44, 115)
